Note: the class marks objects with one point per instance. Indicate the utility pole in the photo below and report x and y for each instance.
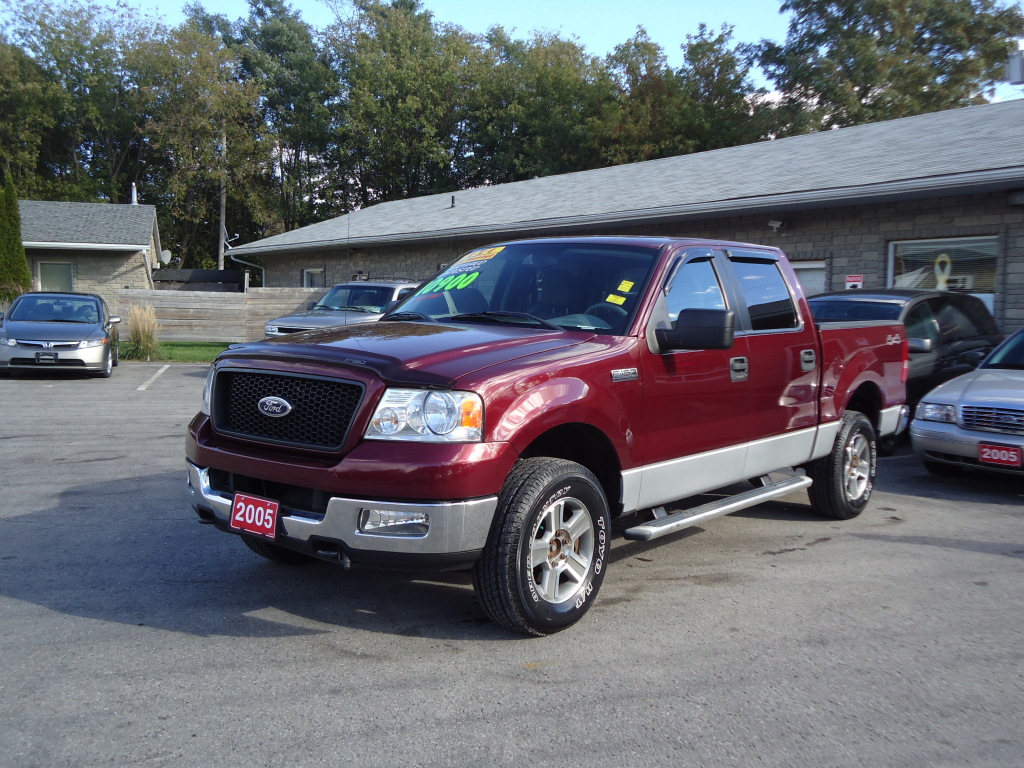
(223, 197)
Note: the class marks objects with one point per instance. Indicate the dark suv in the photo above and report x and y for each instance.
(950, 333)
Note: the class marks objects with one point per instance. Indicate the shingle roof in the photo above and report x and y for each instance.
(972, 148)
(86, 223)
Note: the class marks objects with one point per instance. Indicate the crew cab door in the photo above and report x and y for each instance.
(695, 418)
(782, 350)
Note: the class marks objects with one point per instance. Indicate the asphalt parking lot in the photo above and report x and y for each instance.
(131, 635)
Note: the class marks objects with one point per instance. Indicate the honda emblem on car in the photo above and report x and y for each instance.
(274, 407)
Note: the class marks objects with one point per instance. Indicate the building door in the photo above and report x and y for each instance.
(55, 277)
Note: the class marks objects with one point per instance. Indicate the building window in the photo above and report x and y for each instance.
(811, 275)
(55, 277)
(312, 278)
(960, 264)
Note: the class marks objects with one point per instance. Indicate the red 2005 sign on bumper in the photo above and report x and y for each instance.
(254, 515)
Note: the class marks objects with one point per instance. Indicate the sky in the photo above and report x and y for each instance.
(598, 25)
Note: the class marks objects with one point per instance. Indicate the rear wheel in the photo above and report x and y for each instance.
(844, 479)
(545, 559)
(275, 552)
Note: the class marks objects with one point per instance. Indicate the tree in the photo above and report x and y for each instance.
(400, 121)
(203, 129)
(297, 86)
(645, 119)
(846, 62)
(94, 148)
(15, 276)
(724, 106)
(537, 109)
(29, 102)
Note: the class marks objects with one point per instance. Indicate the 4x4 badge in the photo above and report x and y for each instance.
(274, 407)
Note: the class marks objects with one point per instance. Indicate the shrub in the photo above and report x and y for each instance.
(141, 343)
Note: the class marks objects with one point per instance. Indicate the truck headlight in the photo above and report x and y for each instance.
(428, 416)
(269, 329)
(208, 392)
(937, 412)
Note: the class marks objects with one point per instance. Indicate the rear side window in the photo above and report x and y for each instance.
(768, 298)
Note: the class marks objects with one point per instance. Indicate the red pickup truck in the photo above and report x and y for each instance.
(533, 392)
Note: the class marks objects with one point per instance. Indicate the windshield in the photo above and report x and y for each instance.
(840, 310)
(53, 309)
(543, 284)
(362, 298)
(1010, 354)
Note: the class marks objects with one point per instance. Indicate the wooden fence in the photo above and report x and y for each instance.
(206, 316)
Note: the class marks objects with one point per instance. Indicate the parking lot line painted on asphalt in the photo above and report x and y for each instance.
(152, 378)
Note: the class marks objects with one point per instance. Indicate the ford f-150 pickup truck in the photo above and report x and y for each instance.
(505, 414)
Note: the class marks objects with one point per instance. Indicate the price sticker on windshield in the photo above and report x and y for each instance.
(252, 514)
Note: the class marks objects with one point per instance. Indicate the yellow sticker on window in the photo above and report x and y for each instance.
(482, 255)
(613, 299)
(625, 286)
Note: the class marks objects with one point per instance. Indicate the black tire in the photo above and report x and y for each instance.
(887, 445)
(276, 553)
(844, 479)
(108, 368)
(117, 355)
(539, 599)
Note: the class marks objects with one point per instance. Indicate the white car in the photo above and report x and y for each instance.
(976, 420)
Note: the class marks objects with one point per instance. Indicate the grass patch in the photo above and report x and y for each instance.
(191, 351)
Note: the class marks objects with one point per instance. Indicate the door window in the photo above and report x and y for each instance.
(768, 298)
(695, 286)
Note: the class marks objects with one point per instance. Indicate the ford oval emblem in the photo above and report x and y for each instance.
(274, 407)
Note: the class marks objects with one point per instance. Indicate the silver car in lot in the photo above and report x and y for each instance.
(976, 420)
(360, 301)
(59, 331)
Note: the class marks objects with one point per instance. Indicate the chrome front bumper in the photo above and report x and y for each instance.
(455, 526)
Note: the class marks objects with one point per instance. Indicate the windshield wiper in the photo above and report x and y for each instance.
(499, 315)
(409, 316)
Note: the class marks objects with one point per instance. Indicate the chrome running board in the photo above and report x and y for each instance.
(666, 524)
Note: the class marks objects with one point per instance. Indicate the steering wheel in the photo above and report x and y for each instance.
(612, 314)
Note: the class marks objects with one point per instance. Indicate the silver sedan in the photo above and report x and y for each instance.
(976, 420)
(59, 331)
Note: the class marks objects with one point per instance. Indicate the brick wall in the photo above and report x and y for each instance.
(851, 240)
(101, 272)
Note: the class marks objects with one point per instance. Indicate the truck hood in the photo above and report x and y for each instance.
(411, 352)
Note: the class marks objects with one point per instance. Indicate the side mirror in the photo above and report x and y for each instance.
(114, 319)
(919, 345)
(699, 329)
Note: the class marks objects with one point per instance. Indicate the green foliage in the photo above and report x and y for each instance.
(15, 276)
(854, 61)
(191, 351)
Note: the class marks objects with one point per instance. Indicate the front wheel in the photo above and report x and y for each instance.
(844, 479)
(545, 558)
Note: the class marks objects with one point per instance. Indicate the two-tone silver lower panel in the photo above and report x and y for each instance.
(455, 526)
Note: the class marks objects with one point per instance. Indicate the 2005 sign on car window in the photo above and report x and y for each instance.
(254, 515)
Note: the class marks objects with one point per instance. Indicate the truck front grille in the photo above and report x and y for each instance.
(321, 410)
(1009, 421)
